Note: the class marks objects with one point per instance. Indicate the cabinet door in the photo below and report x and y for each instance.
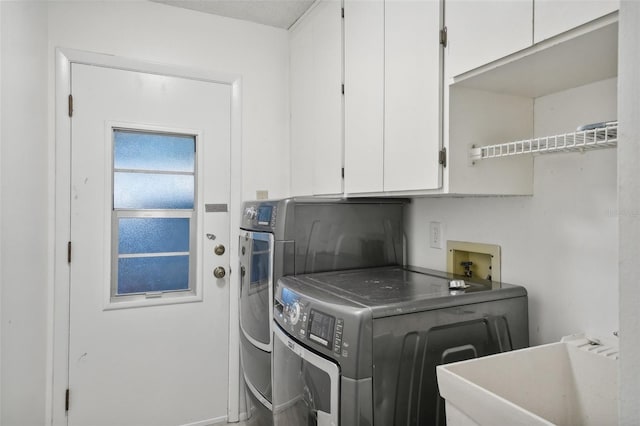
(316, 101)
(301, 74)
(364, 95)
(413, 76)
(481, 31)
(553, 17)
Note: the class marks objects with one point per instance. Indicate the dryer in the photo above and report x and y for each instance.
(360, 347)
(296, 236)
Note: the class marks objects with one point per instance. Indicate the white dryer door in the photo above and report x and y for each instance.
(305, 386)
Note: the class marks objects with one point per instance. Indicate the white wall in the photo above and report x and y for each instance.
(561, 243)
(30, 32)
(629, 211)
(24, 243)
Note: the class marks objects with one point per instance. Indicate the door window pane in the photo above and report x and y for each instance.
(150, 274)
(153, 235)
(152, 191)
(153, 213)
(153, 151)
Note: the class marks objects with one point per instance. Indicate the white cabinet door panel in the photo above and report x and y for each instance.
(553, 17)
(412, 95)
(481, 31)
(301, 71)
(316, 102)
(364, 95)
(327, 114)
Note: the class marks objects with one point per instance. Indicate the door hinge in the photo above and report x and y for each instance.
(66, 401)
(69, 252)
(442, 157)
(343, 13)
(70, 105)
(343, 173)
(343, 88)
(443, 37)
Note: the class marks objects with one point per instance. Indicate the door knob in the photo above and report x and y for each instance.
(219, 249)
(219, 272)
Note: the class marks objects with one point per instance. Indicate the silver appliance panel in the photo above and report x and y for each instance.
(308, 385)
(388, 364)
(305, 235)
(309, 236)
(390, 291)
(256, 369)
(256, 286)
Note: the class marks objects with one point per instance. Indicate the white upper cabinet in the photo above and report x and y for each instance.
(413, 76)
(383, 134)
(499, 103)
(553, 17)
(480, 32)
(393, 75)
(316, 101)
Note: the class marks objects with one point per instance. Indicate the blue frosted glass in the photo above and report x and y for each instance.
(153, 235)
(153, 151)
(152, 191)
(145, 274)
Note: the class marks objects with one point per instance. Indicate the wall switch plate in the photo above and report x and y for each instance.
(435, 235)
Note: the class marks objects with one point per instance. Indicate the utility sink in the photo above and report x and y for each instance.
(574, 382)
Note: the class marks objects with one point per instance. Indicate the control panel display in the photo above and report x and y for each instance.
(321, 328)
(288, 296)
(264, 215)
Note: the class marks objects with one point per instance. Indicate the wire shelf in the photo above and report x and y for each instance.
(582, 140)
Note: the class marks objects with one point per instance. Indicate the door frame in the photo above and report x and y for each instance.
(58, 304)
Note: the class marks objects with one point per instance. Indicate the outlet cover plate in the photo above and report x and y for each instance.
(435, 235)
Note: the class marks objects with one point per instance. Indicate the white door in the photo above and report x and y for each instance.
(148, 339)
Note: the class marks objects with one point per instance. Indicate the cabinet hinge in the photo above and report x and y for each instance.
(442, 157)
(343, 173)
(343, 13)
(443, 37)
(69, 252)
(70, 105)
(66, 401)
(343, 88)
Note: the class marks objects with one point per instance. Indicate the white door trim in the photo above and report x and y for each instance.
(58, 367)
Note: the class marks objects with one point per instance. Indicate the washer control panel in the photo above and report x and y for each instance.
(309, 324)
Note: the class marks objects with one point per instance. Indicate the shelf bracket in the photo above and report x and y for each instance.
(474, 154)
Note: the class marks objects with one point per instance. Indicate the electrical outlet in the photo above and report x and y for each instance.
(262, 194)
(435, 235)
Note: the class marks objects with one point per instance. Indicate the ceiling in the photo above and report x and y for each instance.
(275, 13)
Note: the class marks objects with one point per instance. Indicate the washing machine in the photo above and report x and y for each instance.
(360, 347)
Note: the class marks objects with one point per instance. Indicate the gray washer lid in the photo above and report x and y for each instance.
(397, 290)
